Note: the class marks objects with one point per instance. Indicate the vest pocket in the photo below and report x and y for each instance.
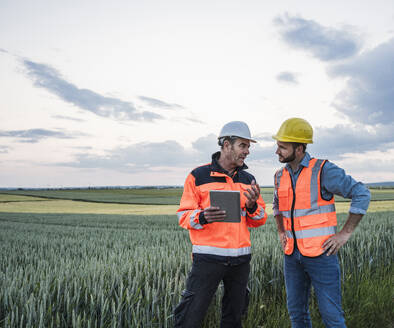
(311, 220)
(287, 223)
(283, 196)
(314, 242)
(289, 246)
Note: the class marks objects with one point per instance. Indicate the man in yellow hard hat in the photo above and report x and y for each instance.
(304, 210)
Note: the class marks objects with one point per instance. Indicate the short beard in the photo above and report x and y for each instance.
(289, 158)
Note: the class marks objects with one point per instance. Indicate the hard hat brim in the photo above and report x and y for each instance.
(251, 140)
(292, 139)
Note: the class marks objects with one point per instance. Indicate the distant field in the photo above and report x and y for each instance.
(376, 194)
(40, 205)
(26, 204)
(122, 196)
(5, 198)
(170, 196)
(136, 201)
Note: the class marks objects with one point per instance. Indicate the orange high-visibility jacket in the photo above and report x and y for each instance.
(218, 238)
(306, 215)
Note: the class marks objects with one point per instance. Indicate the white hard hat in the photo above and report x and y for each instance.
(236, 129)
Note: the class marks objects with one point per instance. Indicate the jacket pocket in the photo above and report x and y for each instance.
(205, 189)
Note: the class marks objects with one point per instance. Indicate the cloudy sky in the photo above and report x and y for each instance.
(128, 92)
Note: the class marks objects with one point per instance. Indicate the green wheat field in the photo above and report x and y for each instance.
(117, 258)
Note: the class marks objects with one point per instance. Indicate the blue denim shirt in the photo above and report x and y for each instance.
(333, 181)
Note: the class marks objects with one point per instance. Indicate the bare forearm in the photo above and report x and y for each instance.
(351, 223)
(279, 223)
(281, 231)
(334, 243)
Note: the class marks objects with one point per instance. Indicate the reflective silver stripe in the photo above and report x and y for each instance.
(180, 215)
(289, 234)
(193, 224)
(310, 211)
(316, 232)
(314, 185)
(260, 216)
(221, 251)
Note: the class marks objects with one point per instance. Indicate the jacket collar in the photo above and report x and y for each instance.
(305, 160)
(215, 166)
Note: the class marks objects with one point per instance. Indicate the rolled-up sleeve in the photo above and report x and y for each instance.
(334, 180)
(275, 199)
(275, 203)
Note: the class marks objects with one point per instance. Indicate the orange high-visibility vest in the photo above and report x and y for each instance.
(306, 215)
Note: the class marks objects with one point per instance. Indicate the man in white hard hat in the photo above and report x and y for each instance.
(221, 249)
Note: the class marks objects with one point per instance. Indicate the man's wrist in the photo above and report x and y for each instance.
(252, 209)
(202, 218)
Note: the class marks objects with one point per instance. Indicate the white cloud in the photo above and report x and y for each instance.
(369, 95)
(35, 135)
(287, 77)
(4, 149)
(325, 43)
(138, 157)
(153, 102)
(48, 78)
(69, 118)
(342, 139)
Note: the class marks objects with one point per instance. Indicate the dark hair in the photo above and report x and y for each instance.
(230, 139)
(296, 144)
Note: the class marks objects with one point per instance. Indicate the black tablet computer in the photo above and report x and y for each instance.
(228, 200)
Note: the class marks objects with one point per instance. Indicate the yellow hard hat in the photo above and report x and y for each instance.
(295, 130)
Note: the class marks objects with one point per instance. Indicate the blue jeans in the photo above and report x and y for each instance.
(321, 272)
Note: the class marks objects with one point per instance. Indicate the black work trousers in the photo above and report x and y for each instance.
(201, 285)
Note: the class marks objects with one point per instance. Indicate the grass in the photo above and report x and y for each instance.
(89, 270)
(82, 264)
